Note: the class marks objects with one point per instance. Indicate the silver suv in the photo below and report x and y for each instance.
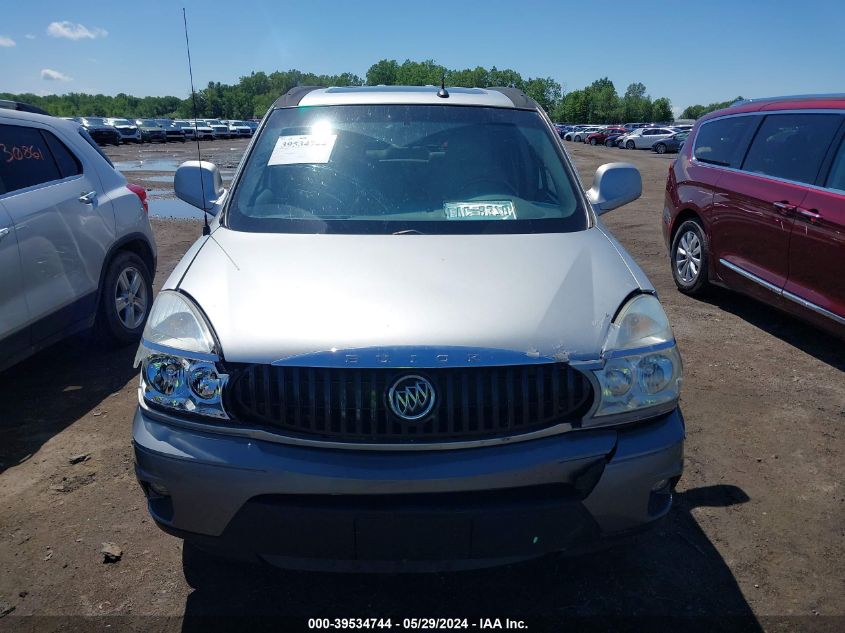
(407, 343)
(76, 247)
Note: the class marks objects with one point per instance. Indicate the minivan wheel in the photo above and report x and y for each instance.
(690, 256)
(660, 148)
(630, 145)
(125, 300)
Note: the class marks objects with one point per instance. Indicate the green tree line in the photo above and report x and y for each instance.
(695, 111)
(253, 94)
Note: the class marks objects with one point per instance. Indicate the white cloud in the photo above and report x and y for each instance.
(73, 31)
(29, 36)
(54, 75)
(6, 42)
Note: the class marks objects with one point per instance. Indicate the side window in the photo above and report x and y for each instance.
(25, 159)
(68, 163)
(722, 141)
(791, 146)
(84, 134)
(836, 177)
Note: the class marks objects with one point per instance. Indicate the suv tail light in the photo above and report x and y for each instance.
(139, 191)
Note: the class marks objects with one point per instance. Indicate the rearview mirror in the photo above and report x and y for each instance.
(199, 184)
(615, 184)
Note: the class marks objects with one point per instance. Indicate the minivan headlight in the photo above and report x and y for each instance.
(642, 367)
(179, 359)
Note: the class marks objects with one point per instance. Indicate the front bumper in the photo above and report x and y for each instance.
(344, 509)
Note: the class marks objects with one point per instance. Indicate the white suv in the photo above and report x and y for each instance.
(76, 246)
(128, 130)
(644, 137)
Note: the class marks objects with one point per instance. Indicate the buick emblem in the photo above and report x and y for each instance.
(411, 397)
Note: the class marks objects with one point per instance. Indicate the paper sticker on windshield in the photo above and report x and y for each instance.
(486, 210)
(302, 148)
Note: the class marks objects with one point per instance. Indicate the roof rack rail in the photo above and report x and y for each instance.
(840, 95)
(21, 107)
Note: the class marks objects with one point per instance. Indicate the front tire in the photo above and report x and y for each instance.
(593, 141)
(660, 148)
(690, 257)
(630, 145)
(125, 300)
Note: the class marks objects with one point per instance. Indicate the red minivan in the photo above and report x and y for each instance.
(756, 202)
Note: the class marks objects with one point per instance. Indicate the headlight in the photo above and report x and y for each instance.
(179, 357)
(642, 367)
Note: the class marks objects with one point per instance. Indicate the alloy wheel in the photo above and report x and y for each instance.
(688, 257)
(130, 299)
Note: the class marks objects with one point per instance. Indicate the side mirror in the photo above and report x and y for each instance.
(615, 184)
(199, 184)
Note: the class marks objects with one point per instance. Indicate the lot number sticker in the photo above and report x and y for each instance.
(302, 148)
(486, 210)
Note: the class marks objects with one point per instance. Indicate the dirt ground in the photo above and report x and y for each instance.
(754, 542)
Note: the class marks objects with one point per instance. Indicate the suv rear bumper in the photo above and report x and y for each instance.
(310, 508)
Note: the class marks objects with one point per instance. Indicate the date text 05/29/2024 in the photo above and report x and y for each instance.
(408, 624)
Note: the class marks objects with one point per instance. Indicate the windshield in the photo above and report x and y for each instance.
(120, 122)
(148, 123)
(95, 121)
(418, 168)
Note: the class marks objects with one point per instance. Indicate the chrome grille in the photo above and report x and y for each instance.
(349, 404)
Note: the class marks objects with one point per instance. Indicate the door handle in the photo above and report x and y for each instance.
(784, 208)
(4, 232)
(811, 215)
(88, 198)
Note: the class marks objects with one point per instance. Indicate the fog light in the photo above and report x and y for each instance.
(159, 490)
(660, 485)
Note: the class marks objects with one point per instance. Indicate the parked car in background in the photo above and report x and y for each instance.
(128, 130)
(76, 247)
(611, 139)
(630, 127)
(187, 127)
(276, 425)
(218, 128)
(202, 130)
(580, 135)
(173, 131)
(100, 131)
(672, 144)
(253, 125)
(644, 137)
(599, 137)
(755, 201)
(239, 129)
(151, 131)
(573, 129)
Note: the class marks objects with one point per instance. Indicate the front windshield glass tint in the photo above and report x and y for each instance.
(417, 168)
(121, 122)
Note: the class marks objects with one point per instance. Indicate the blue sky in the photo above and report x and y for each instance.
(691, 52)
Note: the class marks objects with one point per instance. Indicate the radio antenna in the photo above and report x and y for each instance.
(206, 230)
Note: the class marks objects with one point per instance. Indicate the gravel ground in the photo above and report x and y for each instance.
(756, 534)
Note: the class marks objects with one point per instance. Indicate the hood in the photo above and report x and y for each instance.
(273, 296)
